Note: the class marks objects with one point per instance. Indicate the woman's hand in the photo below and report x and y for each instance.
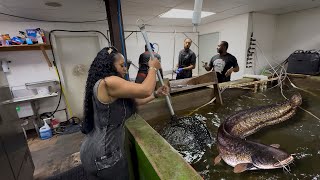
(162, 91)
(154, 63)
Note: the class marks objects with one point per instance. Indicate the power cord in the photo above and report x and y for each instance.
(280, 81)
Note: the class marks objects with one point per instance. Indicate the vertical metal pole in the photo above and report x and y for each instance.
(144, 34)
(115, 26)
(114, 16)
(198, 56)
(174, 52)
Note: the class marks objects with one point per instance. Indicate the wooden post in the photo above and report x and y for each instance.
(45, 56)
(216, 89)
(255, 89)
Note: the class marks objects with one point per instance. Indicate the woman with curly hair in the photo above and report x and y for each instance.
(109, 101)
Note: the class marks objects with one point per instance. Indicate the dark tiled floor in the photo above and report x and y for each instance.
(55, 155)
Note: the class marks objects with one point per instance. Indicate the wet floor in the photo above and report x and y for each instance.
(55, 155)
(299, 135)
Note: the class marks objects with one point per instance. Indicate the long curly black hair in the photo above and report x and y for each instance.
(101, 67)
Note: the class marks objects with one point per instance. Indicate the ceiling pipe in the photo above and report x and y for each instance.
(196, 18)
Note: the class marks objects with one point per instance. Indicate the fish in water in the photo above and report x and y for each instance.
(243, 154)
(189, 136)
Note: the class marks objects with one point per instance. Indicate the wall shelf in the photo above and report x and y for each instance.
(25, 47)
(41, 47)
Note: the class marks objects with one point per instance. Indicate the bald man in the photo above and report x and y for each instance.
(224, 64)
(187, 61)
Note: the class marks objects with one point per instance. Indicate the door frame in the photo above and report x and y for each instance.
(219, 39)
(56, 35)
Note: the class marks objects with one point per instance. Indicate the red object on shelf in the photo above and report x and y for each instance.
(55, 123)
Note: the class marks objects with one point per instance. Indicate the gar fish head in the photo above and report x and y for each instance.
(271, 158)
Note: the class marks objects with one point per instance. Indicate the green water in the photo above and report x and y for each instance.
(299, 135)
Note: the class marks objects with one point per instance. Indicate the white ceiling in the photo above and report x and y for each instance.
(148, 10)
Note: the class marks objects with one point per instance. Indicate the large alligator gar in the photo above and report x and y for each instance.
(244, 155)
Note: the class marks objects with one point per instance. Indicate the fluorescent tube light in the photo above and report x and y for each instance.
(183, 14)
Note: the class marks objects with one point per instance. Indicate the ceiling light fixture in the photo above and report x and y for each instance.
(53, 4)
(183, 14)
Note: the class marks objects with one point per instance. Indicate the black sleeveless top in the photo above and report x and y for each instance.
(104, 145)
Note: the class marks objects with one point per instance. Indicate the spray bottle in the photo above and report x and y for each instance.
(39, 38)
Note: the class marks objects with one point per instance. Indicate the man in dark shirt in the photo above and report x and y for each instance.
(143, 64)
(187, 61)
(223, 63)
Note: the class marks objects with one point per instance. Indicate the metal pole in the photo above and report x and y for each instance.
(144, 34)
(128, 36)
(198, 57)
(174, 52)
(115, 23)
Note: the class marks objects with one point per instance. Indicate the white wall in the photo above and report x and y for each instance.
(298, 30)
(205, 49)
(234, 31)
(264, 29)
(169, 54)
(30, 66)
(3, 79)
(277, 35)
(35, 57)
